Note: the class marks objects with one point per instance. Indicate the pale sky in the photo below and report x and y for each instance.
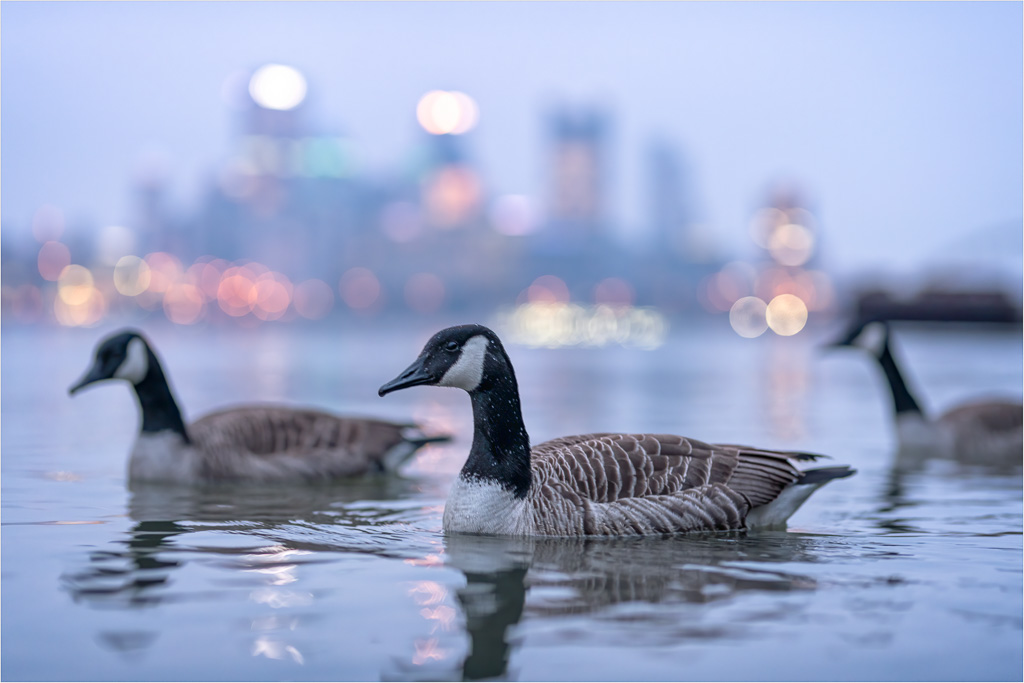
(903, 121)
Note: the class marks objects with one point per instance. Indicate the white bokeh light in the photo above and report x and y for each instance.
(275, 86)
(441, 112)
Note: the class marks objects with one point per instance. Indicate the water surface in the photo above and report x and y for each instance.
(886, 575)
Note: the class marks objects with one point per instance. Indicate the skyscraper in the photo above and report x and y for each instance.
(577, 172)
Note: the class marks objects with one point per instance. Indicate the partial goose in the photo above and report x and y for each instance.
(981, 432)
(594, 484)
(257, 443)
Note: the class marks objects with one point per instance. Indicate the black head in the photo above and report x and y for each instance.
(124, 355)
(463, 356)
(871, 335)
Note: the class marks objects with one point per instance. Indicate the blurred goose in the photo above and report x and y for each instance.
(257, 443)
(594, 484)
(978, 432)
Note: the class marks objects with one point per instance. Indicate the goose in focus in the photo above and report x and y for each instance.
(594, 484)
(980, 432)
(254, 443)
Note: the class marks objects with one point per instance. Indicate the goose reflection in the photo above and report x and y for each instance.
(131, 574)
(916, 500)
(262, 505)
(509, 580)
(152, 550)
(136, 571)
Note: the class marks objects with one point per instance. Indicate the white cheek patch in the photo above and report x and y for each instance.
(469, 368)
(872, 338)
(135, 364)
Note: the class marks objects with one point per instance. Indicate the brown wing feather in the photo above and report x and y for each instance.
(995, 416)
(275, 442)
(604, 468)
(275, 430)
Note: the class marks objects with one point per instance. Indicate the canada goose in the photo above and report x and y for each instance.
(978, 432)
(255, 443)
(594, 484)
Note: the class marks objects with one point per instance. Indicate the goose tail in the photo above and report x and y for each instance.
(823, 475)
(413, 439)
(419, 440)
(774, 515)
(799, 456)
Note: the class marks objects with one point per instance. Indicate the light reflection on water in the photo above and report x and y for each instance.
(888, 574)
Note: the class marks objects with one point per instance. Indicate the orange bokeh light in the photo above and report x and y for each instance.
(548, 289)
(184, 304)
(164, 270)
(451, 196)
(270, 296)
(234, 291)
(87, 308)
(208, 276)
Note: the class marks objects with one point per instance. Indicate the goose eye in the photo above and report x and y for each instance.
(452, 346)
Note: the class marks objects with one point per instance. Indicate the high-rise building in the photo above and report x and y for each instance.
(668, 203)
(578, 151)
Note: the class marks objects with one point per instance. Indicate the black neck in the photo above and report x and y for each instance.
(159, 409)
(501, 446)
(902, 400)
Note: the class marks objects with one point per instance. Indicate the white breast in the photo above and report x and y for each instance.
(479, 507)
(163, 456)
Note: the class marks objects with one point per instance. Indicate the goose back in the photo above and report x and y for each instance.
(988, 433)
(277, 442)
(994, 416)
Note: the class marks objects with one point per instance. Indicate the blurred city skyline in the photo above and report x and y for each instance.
(900, 122)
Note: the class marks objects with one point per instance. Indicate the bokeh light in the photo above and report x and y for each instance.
(553, 325)
(89, 312)
(207, 276)
(359, 288)
(786, 314)
(313, 299)
(53, 258)
(747, 317)
(233, 292)
(548, 289)
(27, 303)
(719, 291)
(75, 285)
(131, 275)
(447, 113)
(764, 223)
(165, 270)
(183, 303)
(270, 296)
(613, 291)
(451, 196)
(276, 86)
(791, 244)
(78, 302)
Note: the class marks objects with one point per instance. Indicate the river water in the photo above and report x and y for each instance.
(886, 575)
